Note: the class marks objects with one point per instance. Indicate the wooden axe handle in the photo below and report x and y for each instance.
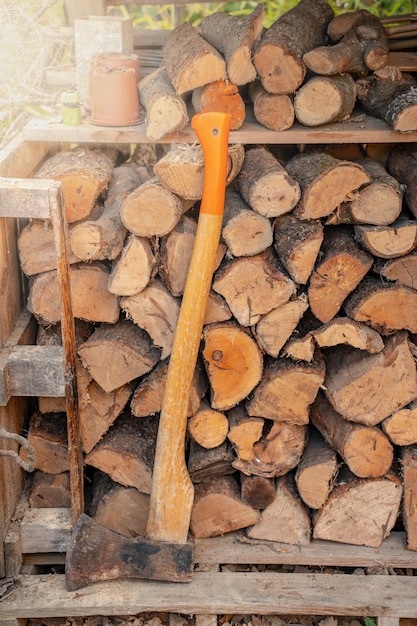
(172, 490)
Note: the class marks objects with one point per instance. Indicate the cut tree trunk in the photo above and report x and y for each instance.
(316, 471)
(166, 110)
(190, 60)
(235, 38)
(401, 426)
(278, 56)
(273, 110)
(208, 427)
(402, 163)
(257, 491)
(217, 309)
(117, 354)
(325, 100)
(268, 288)
(48, 437)
(371, 505)
(366, 388)
(343, 330)
(90, 298)
(408, 461)
(342, 266)
(366, 450)
(83, 174)
(37, 250)
(50, 491)
(388, 242)
(233, 362)
(126, 452)
(222, 96)
(400, 270)
(286, 519)
(298, 244)
(218, 508)
(244, 431)
(103, 238)
(203, 464)
(300, 348)
(265, 185)
(134, 269)
(175, 252)
(287, 390)
(325, 182)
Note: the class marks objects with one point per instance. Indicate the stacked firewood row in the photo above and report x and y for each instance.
(303, 409)
(309, 65)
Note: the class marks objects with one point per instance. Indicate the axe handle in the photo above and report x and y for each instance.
(172, 491)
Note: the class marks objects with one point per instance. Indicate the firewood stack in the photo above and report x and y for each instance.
(303, 409)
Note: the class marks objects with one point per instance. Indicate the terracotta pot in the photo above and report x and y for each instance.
(112, 60)
(114, 96)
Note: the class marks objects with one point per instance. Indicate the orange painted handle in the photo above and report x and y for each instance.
(212, 130)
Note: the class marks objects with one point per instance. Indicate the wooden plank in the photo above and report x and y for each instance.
(218, 593)
(358, 129)
(45, 527)
(27, 198)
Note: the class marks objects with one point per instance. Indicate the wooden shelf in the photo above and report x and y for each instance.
(359, 128)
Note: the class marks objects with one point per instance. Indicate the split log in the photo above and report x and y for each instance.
(266, 185)
(287, 390)
(257, 491)
(121, 509)
(388, 242)
(361, 46)
(316, 471)
(166, 111)
(244, 431)
(235, 37)
(370, 504)
(126, 452)
(218, 508)
(233, 363)
(47, 435)
(181, 169)
(103, 238)
(325, 182)
(325, 99)
(343, 330)
(390, 95)
(117, 354)
(141, 211)
(208, 427)
(401, 426)
(222, 96)
(287, 519)
(244, 231)
(297, 244)
(366, 450)
(83, 174)
(100, 306)
(203, 464)
(217, 309)
(49, 490)
(273, 110)
(366, 388)
(37, 249)
(275, 328)
(400, 270)
(190, 60)
(402, 163)
(408, 459)
(385, 306)
(300, 348)
(268, 288)
(341, 268)
(148, 396)
(276, 453)
(134, 269)
(278, 56)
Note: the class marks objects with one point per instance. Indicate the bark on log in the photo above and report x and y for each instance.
(49, 491)
(134, 269)
(191, 61)
(298, 244)
(222, 96)
(341, 268)
(287, 519)
(278, 56)
(218, 508)
(325, 99)
(388, 242)
(272, 110)
(166, 110)
(402, 163)
(235, 37)
(37, 250)
(257, 491)
(325, 182)
(316, 471)
(208, 427)
(401, 426)
(343, 330)
(379, 497)
(408, 459)
(117, 354)
(233, 363)
(203, 464)
(268, 288)
(366, 388)
(366, 450)
(84, 175)
(266, 185)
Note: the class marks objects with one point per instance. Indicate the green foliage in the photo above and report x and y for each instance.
(369, 621)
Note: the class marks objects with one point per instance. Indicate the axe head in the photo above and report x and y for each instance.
(95, 554)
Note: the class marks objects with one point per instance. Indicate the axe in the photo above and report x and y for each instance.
(95, 553)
